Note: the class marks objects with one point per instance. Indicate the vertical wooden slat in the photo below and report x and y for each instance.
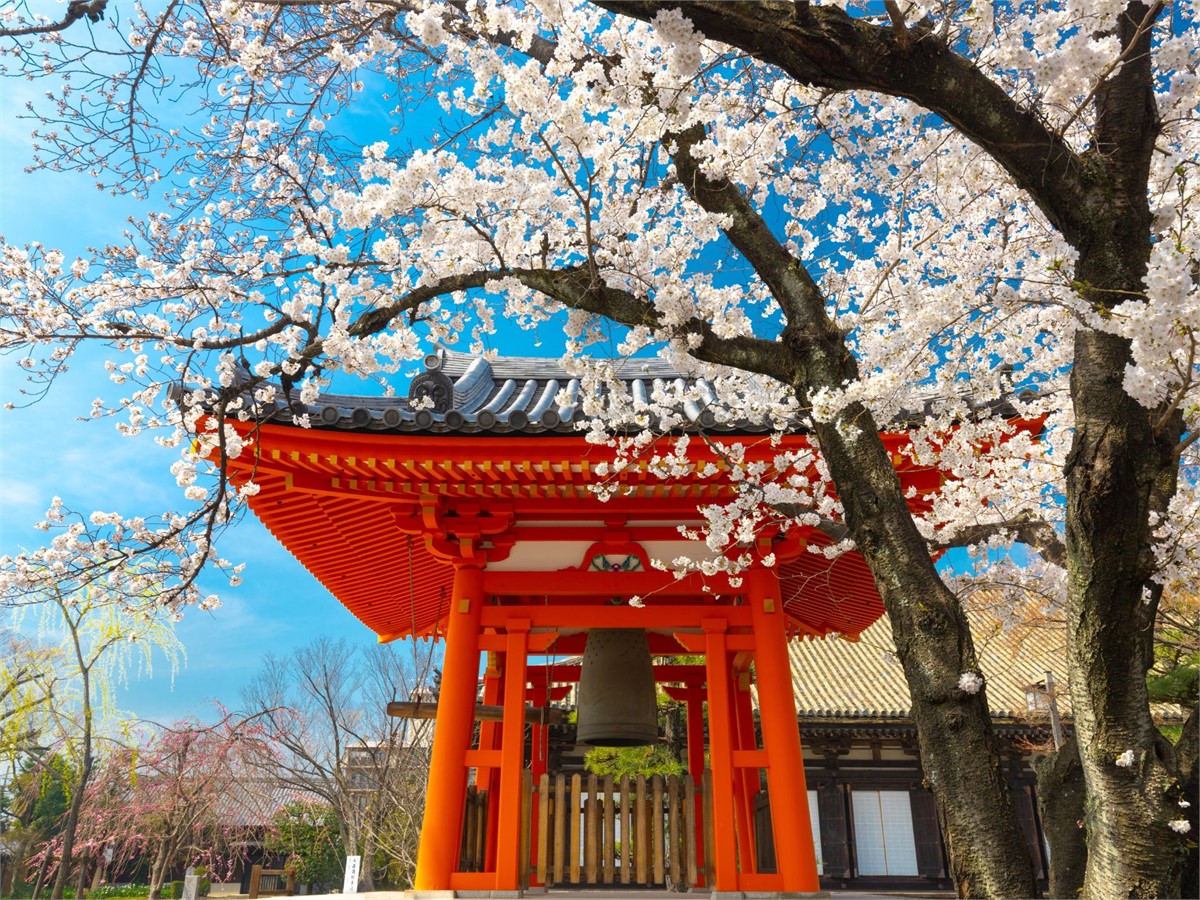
(544, 843)
(573, 849)
(642, 830)
(481, 817)
(674, 844)
(560, 825)
(470, 826)
(525, 838)
(610, 832)
(468, 834)
(689, 830)
(626, 833)
(656, 836)
(707, 805)
(591, 832)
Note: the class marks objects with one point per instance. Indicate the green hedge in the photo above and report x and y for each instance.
(119, 890)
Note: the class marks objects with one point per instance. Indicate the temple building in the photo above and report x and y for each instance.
(467, 512)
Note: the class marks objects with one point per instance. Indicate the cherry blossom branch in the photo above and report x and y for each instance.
(824, 46)
(1143, 27)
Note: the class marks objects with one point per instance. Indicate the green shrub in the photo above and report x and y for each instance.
(173, 891)
(119, 890)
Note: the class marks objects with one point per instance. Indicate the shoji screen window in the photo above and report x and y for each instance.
(883, 833)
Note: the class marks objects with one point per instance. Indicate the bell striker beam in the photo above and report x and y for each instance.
(437, 851)
(794, 852)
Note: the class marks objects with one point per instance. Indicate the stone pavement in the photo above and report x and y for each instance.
(624, 894)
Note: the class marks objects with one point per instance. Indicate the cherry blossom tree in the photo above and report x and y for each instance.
(846, 215)
(177, 799)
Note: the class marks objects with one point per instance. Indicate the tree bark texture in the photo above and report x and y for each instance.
(959, 751)
(1062, 797)
(1121, 469)
(1187, 752)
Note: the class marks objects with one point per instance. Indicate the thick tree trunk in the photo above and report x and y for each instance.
(1121, 471)
(1111, 475)
(1062, 799)
(959, 751)
(1187, 752)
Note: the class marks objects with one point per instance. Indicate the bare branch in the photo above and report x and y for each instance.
(1027, 528)
(92, 10)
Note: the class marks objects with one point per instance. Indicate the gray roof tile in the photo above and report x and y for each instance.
(460, 392)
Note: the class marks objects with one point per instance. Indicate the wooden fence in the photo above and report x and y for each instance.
(588, 830)
(645, 831)
(474, 839)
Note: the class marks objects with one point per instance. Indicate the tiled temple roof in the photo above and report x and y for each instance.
(839, 679)
(459, 392)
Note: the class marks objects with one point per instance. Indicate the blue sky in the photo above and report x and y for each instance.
(46, 451)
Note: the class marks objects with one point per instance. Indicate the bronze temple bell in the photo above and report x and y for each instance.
(618, 706)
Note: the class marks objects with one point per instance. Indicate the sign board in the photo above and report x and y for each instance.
(350, 885)
(191, 887)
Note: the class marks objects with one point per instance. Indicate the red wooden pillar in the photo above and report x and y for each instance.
(747, 739)
(695, 748)
(747, 776)
(487, 778)
(720, 709)
(437, 852)
(742, 799)
(695, 733)
(512, 756)
(794, 852)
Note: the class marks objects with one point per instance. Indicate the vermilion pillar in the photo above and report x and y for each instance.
(437, 852)
(742, 799)
(693, 695)
(486, 777)
(747, 778)
(720, 709)
(794, 852)
(512, 756)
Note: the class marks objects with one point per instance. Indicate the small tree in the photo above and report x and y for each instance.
(34, 803)
(324, 711)
(309, 835)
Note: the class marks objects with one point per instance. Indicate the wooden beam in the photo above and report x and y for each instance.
(666, 618)
(537, 715)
